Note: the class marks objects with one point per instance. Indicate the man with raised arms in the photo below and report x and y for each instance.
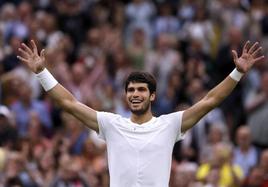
(139, 148)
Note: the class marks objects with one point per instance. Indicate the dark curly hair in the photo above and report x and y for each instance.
(141, 77)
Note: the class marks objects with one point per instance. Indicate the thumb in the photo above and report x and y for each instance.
(235, 56)
(42, 54)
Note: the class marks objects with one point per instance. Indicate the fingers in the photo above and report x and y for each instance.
(259, 59)
(23, 59)
(42, 54)
(34, 47)
(253, 48)
(256, 52)
(235, 56)
(25, 54)
(26, 48)
(246, 47)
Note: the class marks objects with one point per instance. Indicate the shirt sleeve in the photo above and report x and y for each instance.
(105, 122)
(175, 119)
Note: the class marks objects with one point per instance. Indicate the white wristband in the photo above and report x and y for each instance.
(236, 75)
(46, 79)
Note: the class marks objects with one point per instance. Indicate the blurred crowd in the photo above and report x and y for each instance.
(91, 46)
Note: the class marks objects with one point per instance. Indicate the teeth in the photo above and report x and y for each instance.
(135, 101)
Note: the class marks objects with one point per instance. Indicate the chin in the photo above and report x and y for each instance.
(139, 111)
(142, 109)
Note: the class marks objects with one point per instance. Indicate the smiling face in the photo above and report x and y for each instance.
(139, 98)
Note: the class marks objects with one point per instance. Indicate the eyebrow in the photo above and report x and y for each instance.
(140, 88)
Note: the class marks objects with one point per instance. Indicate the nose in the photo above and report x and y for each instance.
(135, 93)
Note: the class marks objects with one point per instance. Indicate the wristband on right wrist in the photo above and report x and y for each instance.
(236, 75)
(46, 79)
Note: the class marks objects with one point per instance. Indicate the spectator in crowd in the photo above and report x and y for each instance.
(217, 133)
(264, 166)
(166, 22)
(245, 153)
(8, 131)
(258, 114)
(16, 172)
(70, 173)
(75, 134)
(137, 49)
(229, 174)
(255, 177)
(140, 13)
(23, 107)
(162, 60)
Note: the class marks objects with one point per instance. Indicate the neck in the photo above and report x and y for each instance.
(140, 119)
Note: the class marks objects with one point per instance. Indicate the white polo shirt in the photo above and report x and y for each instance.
(139, 155)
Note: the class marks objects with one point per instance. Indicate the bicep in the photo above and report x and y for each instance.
(193, 114)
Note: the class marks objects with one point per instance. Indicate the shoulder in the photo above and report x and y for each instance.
(108, 117)
(101, 114)
(172, 116)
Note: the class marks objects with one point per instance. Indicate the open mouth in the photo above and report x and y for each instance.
(136, 101)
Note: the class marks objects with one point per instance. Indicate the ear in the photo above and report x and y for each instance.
(152, 97)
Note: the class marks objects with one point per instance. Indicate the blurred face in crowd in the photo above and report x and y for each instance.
(78, 73)
(71, 168)
(15, 42)
(139, 98)
(213, 176)
(264, 160)
(8, 12)
(25, 9)
(93, 36)
(221, 154)
(235, 36)
(243, 137)
(163, 42)
(138, 36)
(25, 93)
(14, 164)
(264, 83)
(49, 23)
(215, 134)
(256, 177)
(47, 161)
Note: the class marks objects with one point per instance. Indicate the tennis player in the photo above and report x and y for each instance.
(139, 148)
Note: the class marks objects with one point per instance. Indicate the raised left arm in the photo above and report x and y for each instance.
(250, 55)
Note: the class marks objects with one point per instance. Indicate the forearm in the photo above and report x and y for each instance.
(57, 92)
(220, 92)
(62, 97)
(214, 97)
(67, 101)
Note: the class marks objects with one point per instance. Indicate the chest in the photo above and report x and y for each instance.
(141, 138)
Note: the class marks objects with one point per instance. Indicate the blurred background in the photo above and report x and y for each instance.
(91, 46)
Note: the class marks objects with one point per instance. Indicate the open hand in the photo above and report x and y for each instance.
(250, 55)
(31, 58)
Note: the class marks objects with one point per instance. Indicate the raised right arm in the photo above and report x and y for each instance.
(36, 63)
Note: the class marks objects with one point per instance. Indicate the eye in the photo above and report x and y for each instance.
(130, 89)
(142, 89)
